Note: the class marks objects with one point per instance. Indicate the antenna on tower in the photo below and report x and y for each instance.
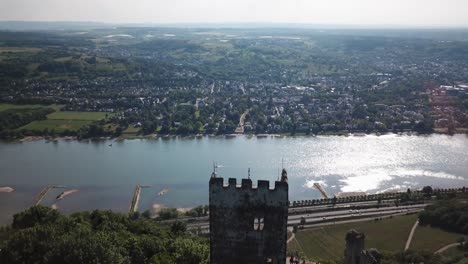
(249, 173)
(215, 173)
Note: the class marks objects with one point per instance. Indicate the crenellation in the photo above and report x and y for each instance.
(280, 185)
(232, 182)
(246, 184)
(216, 181)
(261, 184)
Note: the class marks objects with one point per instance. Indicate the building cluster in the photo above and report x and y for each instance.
(325, 105)
(445, 101)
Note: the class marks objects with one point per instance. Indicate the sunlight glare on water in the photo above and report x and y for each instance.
(106, 176)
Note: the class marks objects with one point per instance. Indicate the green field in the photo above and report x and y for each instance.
(88, 116)
(19, 50)
(57, 125)
(13, 106)
(432, 239)
(59, 121)
(328, 243)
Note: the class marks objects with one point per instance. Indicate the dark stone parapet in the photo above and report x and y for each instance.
(232, 182)
(261, 184)
(247, 184)
(216, 181)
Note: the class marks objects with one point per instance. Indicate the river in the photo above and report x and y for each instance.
(105, 176)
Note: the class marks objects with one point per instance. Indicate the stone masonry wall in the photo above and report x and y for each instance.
(248, 225)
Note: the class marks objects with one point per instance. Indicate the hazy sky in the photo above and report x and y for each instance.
(350, 12)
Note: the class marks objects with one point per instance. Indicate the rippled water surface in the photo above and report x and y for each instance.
(105, 176)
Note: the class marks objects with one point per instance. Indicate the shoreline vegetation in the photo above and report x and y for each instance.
(51, 123)
(229, 136)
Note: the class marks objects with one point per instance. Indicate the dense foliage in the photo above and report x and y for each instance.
(43, 235)
(451, 215)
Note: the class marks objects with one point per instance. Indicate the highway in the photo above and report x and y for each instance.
(331, 216)
(341, 213)
(293, 210)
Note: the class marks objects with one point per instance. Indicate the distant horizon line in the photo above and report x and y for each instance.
(251, 24)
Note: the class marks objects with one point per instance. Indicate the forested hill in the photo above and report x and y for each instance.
(43, 235)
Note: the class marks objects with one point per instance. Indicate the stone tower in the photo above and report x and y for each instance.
(248, 224)
(355, 252)
(354, 247)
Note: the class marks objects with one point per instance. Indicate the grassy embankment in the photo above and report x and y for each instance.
(130, 133)
(328, 243)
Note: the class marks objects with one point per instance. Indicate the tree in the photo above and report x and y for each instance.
(146, 214)
(163, 258)
(424, 127)
(118, 131)
(42, 235)
(450, 215)
(427, 190)
(35, 215)
(197, 211)
(187, 251)
(135, 215)
(178, 227)
(168, 213)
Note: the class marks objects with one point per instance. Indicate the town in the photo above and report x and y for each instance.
(162, 81)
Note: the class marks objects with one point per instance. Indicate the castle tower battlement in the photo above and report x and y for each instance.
(234, 195)
(248, 223)
(247, 184)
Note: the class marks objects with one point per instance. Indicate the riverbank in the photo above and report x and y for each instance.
(6, 189)
(230, 136)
